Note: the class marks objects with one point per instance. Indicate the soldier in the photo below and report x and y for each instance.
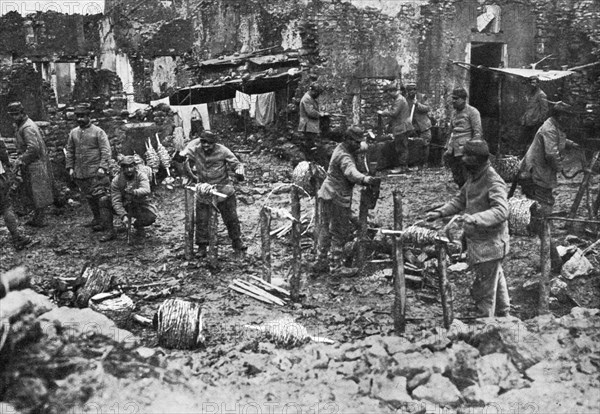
(19, 240)
(536, 110)
(335, 195)
(465, 125)
(400, 124)
(483, 200)
(32, 163)
(129, 200)
(419, 118)
(212, 162)
(310, 118)
(88, 155)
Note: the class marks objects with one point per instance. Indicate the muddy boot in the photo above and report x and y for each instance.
(321, 266)
(202, 252)
(338, 269)
(95, 208)
(21, 241)
(39, 219)
(111, 234)
(239, 249)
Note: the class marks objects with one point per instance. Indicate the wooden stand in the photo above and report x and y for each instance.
(317, 224)
(188, 233)
(583, 188)
(544, 285)
(363, 214)
(265, 238)
(213, 227)
(295, 280)
(444, 285)
(399, 306)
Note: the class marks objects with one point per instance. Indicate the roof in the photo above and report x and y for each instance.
(199, 94)
(543, 75)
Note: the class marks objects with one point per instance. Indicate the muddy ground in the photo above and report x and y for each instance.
(235, 368)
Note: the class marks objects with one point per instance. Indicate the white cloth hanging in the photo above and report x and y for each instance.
(265, 108)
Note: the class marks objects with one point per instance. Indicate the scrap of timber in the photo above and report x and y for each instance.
(444, 285)
(179, 324)
(265, 243)
(287, 332)
(97, 281)
(257, 289)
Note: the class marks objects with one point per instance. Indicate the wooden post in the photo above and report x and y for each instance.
(213, 227)
(188, 224)
(317, 224)
(444, 285)
(399, 307)
(296, 252)
(582, 188)
(545, 235)
(265, 238)
(363, 214)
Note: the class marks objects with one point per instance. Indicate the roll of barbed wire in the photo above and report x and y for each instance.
(519, 216)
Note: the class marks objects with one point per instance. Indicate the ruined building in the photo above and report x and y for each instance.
(144, 51)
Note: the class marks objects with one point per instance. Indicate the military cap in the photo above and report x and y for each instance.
(316, 87)
(208, 136)
(355, 132)
(127, 161)
(83, 109)
(460, 93)
(15, 108)
(477, 147)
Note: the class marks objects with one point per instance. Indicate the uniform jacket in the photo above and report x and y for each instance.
(341, 177)
(140, 186)
(213, 168)
(87, 150)
(465, 126)
(309, 114)
(420, 120)
(399, 116)
(34, 157)
(543, 159)
(4, 160)
(484, 197)
(536, 109)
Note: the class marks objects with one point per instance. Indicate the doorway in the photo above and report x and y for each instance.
(484, 93)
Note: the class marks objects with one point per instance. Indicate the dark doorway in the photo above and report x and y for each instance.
(484, 91)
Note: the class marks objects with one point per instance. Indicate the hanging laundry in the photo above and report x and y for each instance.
(265, 108)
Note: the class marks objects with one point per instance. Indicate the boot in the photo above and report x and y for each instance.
(95, 208)
(39, 219)
(111, 234)
(21, 241)
(339, 269)
(239, 249)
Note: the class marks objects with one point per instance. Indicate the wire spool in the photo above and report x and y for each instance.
(506, 166)
(419, 236)
(179, 324)
(519, 216)
(119, 308)
(284, 331)
(307, 174)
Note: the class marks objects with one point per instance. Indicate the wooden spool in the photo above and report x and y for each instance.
(507, 167)
(179, 324)
(97, 281)
(519, 216)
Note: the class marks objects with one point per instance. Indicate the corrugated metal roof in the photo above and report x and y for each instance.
(543, 75)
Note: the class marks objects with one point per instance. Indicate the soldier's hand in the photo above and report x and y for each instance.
(71, 172)
(240, 172)
(469, 219)
(125, 220)
(101, 173)
(204, 188)
(369, 180)
(432, 215)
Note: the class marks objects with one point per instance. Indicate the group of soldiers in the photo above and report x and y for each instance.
(127, 195)
(482, 201)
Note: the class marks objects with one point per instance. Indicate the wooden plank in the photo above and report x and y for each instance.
(399, 306)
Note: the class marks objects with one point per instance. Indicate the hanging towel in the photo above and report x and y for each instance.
(265, 108)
